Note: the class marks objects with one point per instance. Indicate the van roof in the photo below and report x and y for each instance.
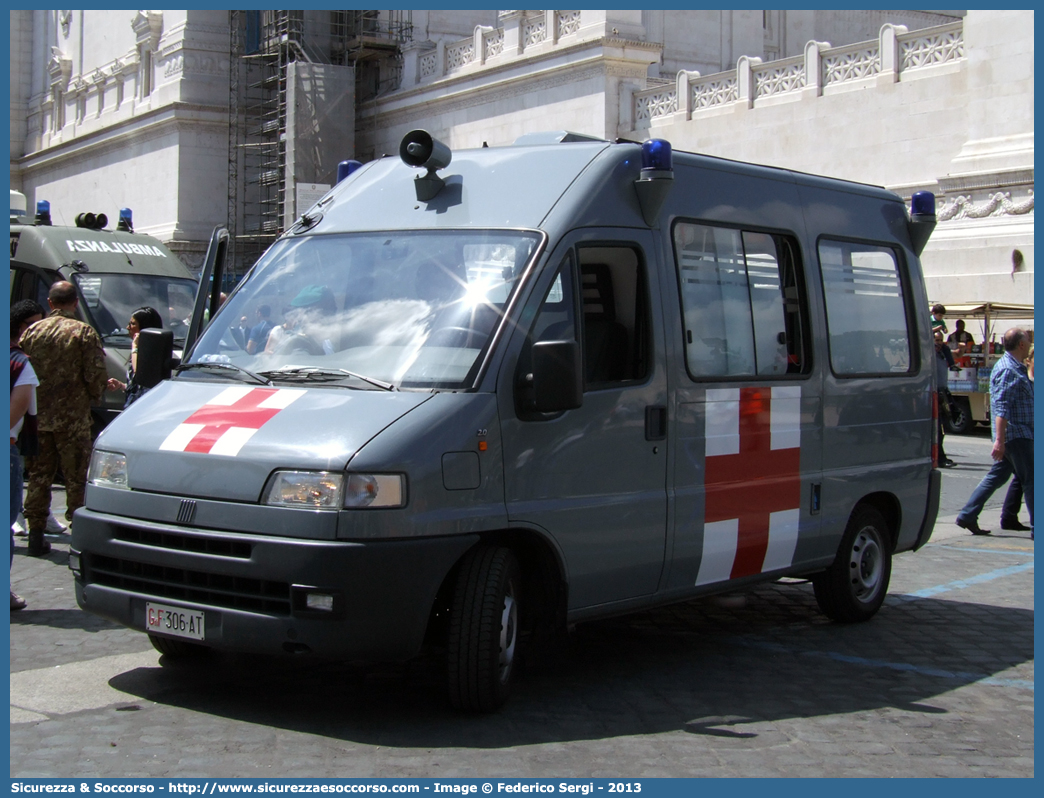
(494, 187)
(518, 186)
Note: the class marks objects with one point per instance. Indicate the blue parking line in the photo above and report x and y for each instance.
(895, 666)
(1009, 552)
(959, 584)
(902, 598)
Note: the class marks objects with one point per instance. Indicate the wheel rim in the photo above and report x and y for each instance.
(866, 565)
(508, 634)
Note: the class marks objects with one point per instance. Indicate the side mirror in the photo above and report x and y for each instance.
(155, 355)
(556, 382)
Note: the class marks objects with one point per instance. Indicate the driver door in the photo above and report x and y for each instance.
(594, 478)
(208, 296)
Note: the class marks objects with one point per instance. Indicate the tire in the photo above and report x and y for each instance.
(481, 645)
(960, 423)
(854, 587)
(177, 649)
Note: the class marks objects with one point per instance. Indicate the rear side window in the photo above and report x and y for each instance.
(866, 309)
(743, 303)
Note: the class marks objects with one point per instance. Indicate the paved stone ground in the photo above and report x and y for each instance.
(940, 683)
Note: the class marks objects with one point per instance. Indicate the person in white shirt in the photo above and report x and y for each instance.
(23, 411)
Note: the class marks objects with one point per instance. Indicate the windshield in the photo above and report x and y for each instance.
(412, 310)
(111, 298)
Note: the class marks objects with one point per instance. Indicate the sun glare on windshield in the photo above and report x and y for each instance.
(416, 310)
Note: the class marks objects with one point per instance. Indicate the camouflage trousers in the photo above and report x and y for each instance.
(71, 450)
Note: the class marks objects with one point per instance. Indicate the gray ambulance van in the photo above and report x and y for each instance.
(116, 271)
(509, 389)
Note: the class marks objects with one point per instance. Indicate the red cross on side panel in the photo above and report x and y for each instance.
(754, 483)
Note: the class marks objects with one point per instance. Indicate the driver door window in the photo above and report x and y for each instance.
(616, 317)
(556, 318)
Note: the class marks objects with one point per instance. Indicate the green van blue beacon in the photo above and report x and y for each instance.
(115, 271)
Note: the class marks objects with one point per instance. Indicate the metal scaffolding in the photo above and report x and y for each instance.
(262, 46)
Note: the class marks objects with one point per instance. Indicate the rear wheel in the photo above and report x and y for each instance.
(481, 650)
(854, 587)
(960, 422)
(176, 649)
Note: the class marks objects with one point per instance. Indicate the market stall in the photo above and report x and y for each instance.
(970, 387)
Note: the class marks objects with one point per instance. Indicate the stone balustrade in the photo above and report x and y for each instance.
(821, 70)
(519, 34)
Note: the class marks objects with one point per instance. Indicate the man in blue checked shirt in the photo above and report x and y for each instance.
(1011, 405)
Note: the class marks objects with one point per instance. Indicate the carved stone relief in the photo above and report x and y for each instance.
(998, 204)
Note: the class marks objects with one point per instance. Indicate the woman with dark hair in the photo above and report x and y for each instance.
(141, 319)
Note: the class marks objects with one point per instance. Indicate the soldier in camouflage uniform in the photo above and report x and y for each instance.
(70, 363)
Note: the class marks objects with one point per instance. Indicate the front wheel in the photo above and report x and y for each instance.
(483, 630)
(854, 586)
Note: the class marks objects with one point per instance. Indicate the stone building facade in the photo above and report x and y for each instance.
(113, 109)
(947, 109)
(120, 108)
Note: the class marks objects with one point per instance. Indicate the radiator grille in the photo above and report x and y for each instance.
(215, 590)
(194, 543)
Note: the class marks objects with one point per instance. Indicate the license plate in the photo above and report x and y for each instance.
(174, 621)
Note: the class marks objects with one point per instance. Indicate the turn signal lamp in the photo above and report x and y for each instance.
(374, 491)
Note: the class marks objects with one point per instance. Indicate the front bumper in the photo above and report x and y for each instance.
(251, 587)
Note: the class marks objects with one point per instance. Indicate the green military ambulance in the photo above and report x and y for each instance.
(115, 273)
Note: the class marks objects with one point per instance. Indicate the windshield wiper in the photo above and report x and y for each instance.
(312, 373)
(223, 366)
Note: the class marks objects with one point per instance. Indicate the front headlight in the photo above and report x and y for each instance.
(375, 490)
(315, 490)
(108, 470)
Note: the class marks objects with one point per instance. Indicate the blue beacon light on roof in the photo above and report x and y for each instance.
(345, 168)
(655, 179)
(922, 203)
(43, 212)
(656, 156)
(922, 220)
